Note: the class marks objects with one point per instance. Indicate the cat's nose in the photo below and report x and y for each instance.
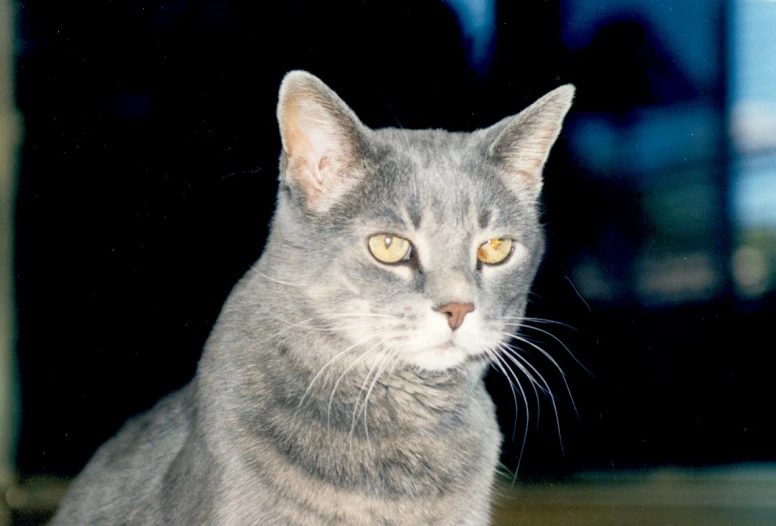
(455, 313)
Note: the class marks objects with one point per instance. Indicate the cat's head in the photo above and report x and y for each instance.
(418, 244)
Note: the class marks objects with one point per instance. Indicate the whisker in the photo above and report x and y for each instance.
(513, 351)
(551, 335)
(253, 268)
(493, 359)
(527, 417)
(337, 356)
(520, 361)
(534, 384)
(336, 384)
(375, 367)
(538, 320)
(549, 357)
(391, 357)
(515, 357)
(578, 294)
(504, 471)
(520, 325)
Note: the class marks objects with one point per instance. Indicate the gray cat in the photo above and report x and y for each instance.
(342, 383)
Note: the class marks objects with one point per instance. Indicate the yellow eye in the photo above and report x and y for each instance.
(389, 248)
(495, 250)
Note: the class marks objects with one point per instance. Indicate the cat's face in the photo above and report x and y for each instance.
(418, 246)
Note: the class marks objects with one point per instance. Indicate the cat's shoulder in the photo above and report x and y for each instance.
(127, 469)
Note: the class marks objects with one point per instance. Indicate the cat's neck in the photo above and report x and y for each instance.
(400, 442)
(371, 399)
(263, 400)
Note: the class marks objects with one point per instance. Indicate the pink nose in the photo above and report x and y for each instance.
(455, 313)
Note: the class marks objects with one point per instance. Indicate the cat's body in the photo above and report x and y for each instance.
(336, 387)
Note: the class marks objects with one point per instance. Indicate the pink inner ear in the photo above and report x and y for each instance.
(320, 141)
(303, 160)
(304, 176)
(316, 152)
(324, 162)
(529, 160)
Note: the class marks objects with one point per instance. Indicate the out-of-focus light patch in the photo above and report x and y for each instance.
(683, 211)
(753, 76)
(753, 192)
(651, 140)
(478, 25)
(751, 271)
(593, 282)
(753, 125)
(753, 52)
(690, 277)
(753, 196)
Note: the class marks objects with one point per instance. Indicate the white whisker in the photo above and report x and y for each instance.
(253, 268)
(338, 355)
(551, 335)
(527, 413)
(375, 368)
(549, 357)
(523, 364)
(391, 356)
(345, 372)
(537, 320)
(578, 294)
(494, 360)
(504, 347)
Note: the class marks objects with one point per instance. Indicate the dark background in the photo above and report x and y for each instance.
(148, 174)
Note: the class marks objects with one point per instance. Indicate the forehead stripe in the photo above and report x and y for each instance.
(485, 217)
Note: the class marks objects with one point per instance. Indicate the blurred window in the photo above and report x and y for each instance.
(649, 134)
(752, 83)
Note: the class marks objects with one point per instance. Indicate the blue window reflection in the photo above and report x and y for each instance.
(652, 129)
(753, 133)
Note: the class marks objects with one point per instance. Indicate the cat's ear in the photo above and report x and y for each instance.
(522, 143)
(322, 140)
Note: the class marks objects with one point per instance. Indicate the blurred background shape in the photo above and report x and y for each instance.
(477, 19)
(753, 143)
(147, 177)
(9, 140)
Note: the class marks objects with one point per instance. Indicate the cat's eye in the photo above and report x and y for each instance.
(494, 251)
(389, 248)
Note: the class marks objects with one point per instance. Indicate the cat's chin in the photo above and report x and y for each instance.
(439, 358)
